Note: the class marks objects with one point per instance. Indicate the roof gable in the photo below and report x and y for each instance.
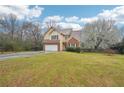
(73, 39)
(50, 30)
(64, 32)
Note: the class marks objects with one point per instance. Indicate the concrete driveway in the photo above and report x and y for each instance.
(19, 54)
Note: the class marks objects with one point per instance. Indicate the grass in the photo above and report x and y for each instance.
(5, 52)
(63, 69)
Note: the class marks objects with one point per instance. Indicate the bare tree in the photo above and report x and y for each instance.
(23, 30)
(37, 34)
(100, 34)
(19, 34)
(51, 23)
(33, 32)
(13, 20)
(9, 23)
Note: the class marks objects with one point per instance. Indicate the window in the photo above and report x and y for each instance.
(67, 36)
(54, 37)
(72, 45)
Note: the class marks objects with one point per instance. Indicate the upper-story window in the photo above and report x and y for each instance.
(54, 37)
(66, 36)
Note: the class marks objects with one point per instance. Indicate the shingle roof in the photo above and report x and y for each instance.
(65, 31)
(76, 35)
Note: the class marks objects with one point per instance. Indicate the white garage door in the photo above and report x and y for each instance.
(51, 47)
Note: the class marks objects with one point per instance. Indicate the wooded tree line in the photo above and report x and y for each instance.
(16, 35)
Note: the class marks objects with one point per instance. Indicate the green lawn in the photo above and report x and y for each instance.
(63, 69)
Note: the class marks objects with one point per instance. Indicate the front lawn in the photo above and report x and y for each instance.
(63, 69)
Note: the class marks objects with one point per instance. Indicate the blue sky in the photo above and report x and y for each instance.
(66, 16)
(75, 10)
(80, 11)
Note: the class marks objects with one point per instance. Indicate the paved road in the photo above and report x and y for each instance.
(19, 54)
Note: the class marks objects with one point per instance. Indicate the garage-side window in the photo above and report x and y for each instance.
(54, 37)
(72, 45)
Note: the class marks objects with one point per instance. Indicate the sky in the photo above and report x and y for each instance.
(74, 10)
(66, 16)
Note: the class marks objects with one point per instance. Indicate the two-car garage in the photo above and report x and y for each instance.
(53, 47)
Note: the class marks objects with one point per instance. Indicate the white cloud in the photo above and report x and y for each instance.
(56, 18)
(88, 20)
(72, 19)
(74, 26)
(60, 21)
(116, 14)
(35, 12)
(22, 11)
(112, 13)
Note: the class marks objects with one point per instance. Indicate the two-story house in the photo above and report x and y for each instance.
(55, 40)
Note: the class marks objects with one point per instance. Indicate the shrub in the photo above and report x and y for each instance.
(119, 48)
(110, 51)
(91, 50)
(73, 49)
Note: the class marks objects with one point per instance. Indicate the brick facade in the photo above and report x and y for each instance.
(72, 40)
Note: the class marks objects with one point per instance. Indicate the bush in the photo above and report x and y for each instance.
(73, 49)
(91, 50)
(110, 52)
(18, 45)
(119, 48)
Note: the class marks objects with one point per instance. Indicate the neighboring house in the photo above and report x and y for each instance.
(58, 40)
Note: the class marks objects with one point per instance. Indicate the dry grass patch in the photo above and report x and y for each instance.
(63, 69)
